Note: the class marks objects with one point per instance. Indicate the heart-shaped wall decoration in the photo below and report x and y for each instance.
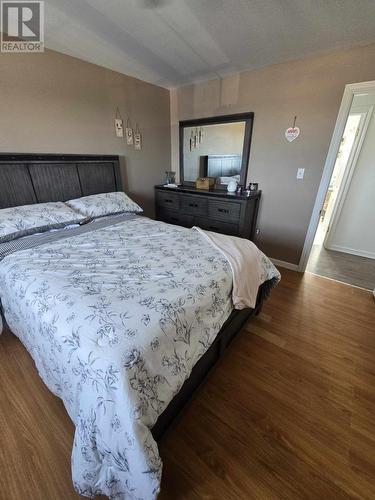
(292, 133)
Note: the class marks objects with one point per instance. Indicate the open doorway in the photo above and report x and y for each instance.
(343, 245)
(348, 146)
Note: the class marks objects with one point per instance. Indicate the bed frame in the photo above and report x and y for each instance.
(37, 178)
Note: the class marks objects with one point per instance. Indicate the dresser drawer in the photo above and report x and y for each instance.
(224, 210)
(217, 226)
(214, 211)
(167, 200)
(172, 217)
(194, 205)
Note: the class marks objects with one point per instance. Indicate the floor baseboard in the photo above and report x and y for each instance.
(351, 251)
(286, 265)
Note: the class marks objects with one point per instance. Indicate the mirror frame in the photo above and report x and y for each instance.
(248, 118)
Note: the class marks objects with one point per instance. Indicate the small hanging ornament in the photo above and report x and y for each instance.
(129, 133)
(292, 133)
(137, 139)
(201, 135)
(119, 126)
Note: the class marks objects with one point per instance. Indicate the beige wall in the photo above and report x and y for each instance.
(311, 89)
(52, 103)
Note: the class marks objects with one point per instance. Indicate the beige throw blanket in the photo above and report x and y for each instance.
(250, 267)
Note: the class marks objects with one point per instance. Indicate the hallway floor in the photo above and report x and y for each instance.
(358, 271)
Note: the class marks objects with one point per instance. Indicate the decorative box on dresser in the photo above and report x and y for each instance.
(215, 210)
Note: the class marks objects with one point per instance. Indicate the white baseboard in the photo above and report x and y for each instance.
(360, 253)
(286, 265)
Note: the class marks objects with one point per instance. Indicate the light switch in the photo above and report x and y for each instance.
(300, 173)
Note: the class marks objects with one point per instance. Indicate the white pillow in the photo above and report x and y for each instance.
(28, 219)
(98, 205)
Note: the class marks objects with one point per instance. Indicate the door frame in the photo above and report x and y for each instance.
(350, 91)
(348, 174)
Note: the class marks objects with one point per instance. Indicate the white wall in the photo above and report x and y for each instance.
(354, 231)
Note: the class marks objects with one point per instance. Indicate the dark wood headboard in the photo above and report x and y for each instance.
(37, 178)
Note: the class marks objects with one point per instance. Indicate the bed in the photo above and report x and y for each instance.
(123, 316)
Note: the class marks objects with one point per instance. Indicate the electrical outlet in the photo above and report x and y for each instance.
(300, 173)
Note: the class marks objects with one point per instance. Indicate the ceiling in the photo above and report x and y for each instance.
(176, 42)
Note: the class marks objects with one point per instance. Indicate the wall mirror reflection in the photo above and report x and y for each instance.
(215, 147)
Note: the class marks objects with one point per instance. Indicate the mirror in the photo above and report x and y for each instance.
(215, 147)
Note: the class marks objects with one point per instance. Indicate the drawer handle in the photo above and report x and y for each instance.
(223, 210)
(195, 205)
(167, 200)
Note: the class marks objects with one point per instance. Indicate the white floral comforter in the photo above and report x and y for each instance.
(115, 320)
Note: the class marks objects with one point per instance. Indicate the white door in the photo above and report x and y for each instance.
(348, 147)
(352, 228)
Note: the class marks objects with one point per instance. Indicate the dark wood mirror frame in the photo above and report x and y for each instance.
(248, 118)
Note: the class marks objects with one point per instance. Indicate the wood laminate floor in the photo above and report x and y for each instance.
(345, 267)
(287, 414)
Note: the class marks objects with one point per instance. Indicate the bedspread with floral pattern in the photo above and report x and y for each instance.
(115, 320)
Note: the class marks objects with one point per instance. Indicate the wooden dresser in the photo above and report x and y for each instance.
(216, 211)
